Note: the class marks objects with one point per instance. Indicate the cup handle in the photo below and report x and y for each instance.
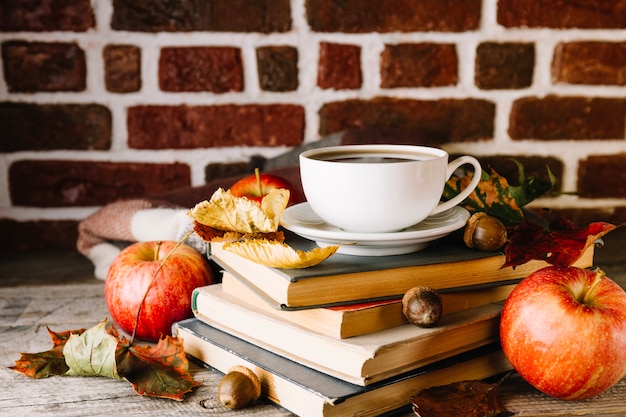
(452, 166)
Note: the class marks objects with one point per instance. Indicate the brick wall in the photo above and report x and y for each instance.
(108, 99)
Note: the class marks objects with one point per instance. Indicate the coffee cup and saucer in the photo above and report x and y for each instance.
(378, 200)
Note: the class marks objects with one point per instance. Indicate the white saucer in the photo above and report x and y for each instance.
(301, 220)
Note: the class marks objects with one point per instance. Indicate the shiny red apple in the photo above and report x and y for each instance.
(256, 186)
(168, 298)
(564, 331)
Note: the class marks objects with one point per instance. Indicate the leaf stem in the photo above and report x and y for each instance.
(143, 299)
(257, 174)
(600, 274)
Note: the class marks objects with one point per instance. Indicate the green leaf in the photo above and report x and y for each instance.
(530, 188)
(92, 353)
(492, 196)
(496, 197)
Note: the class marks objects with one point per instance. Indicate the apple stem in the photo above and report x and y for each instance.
(600, 274)
(257, 174)
(156, 252)
(145, 294)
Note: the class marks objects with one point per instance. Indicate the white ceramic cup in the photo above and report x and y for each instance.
(379, 188)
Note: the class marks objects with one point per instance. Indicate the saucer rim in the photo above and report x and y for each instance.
(310, 231)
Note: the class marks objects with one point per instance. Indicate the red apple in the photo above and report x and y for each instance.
(564, 331)
(255, 187)
(169, 297)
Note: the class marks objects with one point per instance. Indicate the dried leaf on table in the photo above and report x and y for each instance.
(156, 371)
(239, 214)
(92, 353)
(279, 255)
(160, 370)
(496, 197)
(560, 244)
(48, 363)
(460, 399)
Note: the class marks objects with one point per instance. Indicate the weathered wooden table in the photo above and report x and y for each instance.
(58, 290)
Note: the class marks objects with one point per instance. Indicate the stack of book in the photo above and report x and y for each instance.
(331, 340)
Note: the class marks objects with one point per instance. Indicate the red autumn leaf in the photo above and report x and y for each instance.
(160, 371)
(561, 244)
(460, 399)
(50, 362)
(156, 371)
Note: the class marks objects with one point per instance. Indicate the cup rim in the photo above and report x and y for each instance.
(390, 148)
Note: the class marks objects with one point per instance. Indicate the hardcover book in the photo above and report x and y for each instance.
(447, 265)
(309, 393)
(360, 360)
(358, 319)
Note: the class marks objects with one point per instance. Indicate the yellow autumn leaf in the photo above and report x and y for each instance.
(226, 212)
(279, 255)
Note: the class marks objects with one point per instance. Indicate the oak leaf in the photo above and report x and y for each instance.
(279, 255)
(460, 399)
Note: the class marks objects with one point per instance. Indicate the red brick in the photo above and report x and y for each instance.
(504, 65)
(46, 16)
(215, 69)
(34, 127)
(362, 16)
(602, 176)
(277, 68)
(122, 68)
(184, 127)
(554, 118)
(588, 14)
(31, 67)
(339, 66)
(36, 235)
(442, 120)
(62, 183)
(418, 65)
(595, 63)
(263, 16)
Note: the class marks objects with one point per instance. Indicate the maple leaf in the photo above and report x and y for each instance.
(560, 244)
(48, 363)
(160, 371)
(460, 399)
(156, 371)
(496, 197)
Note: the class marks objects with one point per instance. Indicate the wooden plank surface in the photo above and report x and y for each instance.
(58, 290)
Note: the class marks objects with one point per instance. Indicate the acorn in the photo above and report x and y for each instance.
(422, 306)
(484, 232)
(239, 388)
